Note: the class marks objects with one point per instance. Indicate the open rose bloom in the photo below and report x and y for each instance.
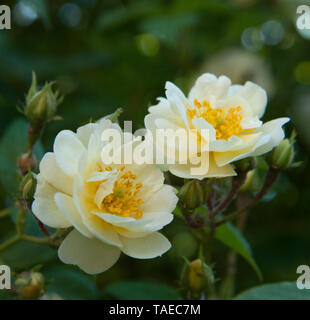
(230, 114)
(112, 208)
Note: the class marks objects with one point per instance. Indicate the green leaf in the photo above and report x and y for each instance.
(141, 291)
(232, 238)
(24, 255)
(70, 283)
(275, 291)
(12, 144)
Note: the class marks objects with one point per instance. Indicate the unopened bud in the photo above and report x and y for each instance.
(27, 186)
(245, 165)
(195, 275)
(41, 105)
(191, 195)
(282, 156)
(200, 276)
(30, 285)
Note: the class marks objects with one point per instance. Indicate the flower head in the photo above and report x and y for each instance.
(113, 208)
(229, 113)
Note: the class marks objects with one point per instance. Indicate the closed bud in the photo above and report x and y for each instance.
(27, 186)
(191, 195)
(282, 156)
(245, 165)
(30, 285)
(200, 276)
(41, 105)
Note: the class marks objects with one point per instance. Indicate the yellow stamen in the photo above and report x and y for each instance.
(226, 123)
(124, 200)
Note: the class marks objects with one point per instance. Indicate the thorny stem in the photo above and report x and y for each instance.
(270, 178)
(237, 183)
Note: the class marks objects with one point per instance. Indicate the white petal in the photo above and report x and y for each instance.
(224, 158)
(102, 230)
(91, 255)
(201, 123)
(44, 206)
(104, 189)
(255, 96)
(148, 247)
(150, 222)
(69, 210)
(163, 109)
(178, 101)
(208, 85)
(123, 222)
(157, 221)
(223, 145)
(84, 132)
(164, 200)
(131, 234)
(274, 130)
(114, 218)
(51, 172)
(68, 151)
(99, 176)
(213, 170)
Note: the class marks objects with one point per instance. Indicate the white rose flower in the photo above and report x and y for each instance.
(113, 208)
(230, 113)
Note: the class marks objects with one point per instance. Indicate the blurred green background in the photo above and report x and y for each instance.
(111, 53)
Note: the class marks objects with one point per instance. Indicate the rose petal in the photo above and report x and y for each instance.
(91, 255)
(44, 206)
(69, 210)
(151, 246)
(68, 151)
(51, 172)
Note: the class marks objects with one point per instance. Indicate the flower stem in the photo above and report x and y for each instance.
(237, 183)
(271, 177)
(9, 242)
(34, 239)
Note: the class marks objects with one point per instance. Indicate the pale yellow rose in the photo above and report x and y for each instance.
(229, 113)
(113, 208)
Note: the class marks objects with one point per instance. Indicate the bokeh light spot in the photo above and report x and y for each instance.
(273, 32)
(252, 39)
(70, 14)
(148, 44)
(302, 72)
(24, 14)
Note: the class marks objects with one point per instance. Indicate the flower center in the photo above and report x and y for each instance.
(225, 122)
(124, 200)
